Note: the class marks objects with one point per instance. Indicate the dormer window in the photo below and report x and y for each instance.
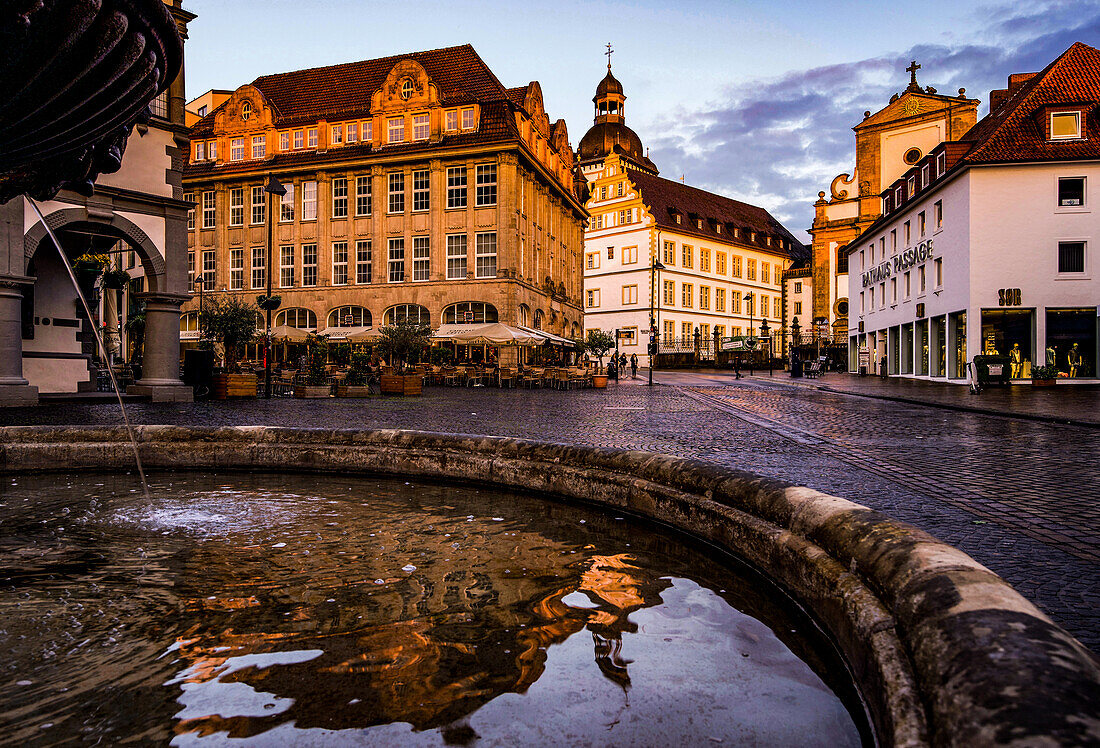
(941, 163)
(924, 175)
(246, 111)
(678, 218)
(718, 228)
(1065, 125)
(912, 185)
(899, 195)
(698, 223)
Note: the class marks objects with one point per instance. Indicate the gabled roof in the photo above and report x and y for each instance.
(666, 197)
(1010, 132)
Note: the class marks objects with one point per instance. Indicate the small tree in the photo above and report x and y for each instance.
(358, 370)
(598, 343)
(404, 342)
(317, 349)
(230, 321)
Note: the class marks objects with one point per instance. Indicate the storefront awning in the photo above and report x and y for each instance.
(337, 334)
(490, 333)
(549, 337)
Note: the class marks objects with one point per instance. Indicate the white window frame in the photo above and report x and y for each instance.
(208, 211)
(468, 122)
(1084, 272)
(299, 139)
(259, 146)
(236, 269)
(336, 135)
(259, 268)
(485, 251)
(421, 126)
(457, 256)
(340, 197)
(236, 149)
(422, 258)
(190, 198)
(395, 130)
(422, 190)
(352, 129)
(309, 200)
(395, 263)
(259, 206)
(286, 204)
(630, 294)
(286, 266)
(485, 182)
(592, 298)
(309, 265)
(1077, 122)
(458, 188)
(339, 263)
(364, 265)
(236, 206)
(364, 196)
(311, 137)
(450, 120)
(395, 193)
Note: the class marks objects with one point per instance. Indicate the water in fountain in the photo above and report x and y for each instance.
(99, 342)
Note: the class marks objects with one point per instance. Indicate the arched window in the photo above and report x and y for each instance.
(303, 319)
(469, 311)
(412, 314)
(349, 316)
(538, 319)
(524, 315)
(189, 322)
(246, 111)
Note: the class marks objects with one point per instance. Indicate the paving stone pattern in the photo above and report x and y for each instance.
(1019, 496)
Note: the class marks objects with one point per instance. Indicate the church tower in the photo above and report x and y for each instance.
(609, 133)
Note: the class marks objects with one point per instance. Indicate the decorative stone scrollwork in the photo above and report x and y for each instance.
(835, 187)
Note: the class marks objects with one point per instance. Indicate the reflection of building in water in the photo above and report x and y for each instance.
(427, 650)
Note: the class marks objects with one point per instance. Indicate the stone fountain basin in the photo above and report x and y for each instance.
(943, 650)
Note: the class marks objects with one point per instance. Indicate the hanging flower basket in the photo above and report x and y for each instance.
(116, 279)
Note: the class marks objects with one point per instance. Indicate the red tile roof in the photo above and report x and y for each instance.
(666, 197)
(1011, 132)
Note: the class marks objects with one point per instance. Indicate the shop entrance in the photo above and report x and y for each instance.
(1009, 332)
(1071, 341)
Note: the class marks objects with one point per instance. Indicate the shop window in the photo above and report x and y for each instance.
(922, 347)
(1071, 257)
(1071, 342)
(1009, 333)
(1071, 192)
(349, 316)
(958, 345)
(303, 319)
(470, 312)
(412, 314)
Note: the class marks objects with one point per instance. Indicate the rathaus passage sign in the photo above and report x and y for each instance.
(907, 259)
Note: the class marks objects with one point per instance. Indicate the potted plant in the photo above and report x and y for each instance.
(87, 268)
(355, 383)
(116, 279)
(230, 321)
(317, 384)
(441, 355)
(403, 345)
(598, 343)
(1044, 376)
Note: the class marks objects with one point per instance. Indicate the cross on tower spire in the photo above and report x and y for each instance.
(912, 70)
(609, 53)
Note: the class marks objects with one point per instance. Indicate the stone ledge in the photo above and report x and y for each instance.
(943, 650)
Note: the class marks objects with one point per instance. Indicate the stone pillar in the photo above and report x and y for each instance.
(14, 389)
(161, 351)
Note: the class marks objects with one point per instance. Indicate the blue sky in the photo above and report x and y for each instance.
(754, 100)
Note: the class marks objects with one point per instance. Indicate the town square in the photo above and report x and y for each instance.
(676, 376)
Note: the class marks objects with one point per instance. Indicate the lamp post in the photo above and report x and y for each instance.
(796, 331)
(654, 304)
(766, 334)
(200, 283)
(272, 188)
(749, 299)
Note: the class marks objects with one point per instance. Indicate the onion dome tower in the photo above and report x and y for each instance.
(609, 133)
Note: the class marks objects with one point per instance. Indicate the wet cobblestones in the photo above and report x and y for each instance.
(1019, 496)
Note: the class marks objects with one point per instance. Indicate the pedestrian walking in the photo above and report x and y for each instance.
(633, 365)
(622, 362)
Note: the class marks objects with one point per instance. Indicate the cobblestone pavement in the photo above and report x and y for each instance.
(1019, 496)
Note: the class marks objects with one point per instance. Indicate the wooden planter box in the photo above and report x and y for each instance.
(312, 390)
(599, 381)
(226, 386)
(1044, 382)
(352, 390)
(405, 385)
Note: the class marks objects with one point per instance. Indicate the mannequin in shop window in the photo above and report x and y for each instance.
(1015, 360)
(1073, 358)
(1051, 355)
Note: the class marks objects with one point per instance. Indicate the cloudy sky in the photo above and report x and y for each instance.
(750, 99)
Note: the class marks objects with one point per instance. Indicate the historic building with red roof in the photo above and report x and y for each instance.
(986, 246)
(418, 187)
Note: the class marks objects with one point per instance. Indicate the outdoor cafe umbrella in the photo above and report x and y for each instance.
(366, 335)
(490, 333)
(288, 334)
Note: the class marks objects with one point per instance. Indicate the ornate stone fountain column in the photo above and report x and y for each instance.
(160, 361)
(14, 389)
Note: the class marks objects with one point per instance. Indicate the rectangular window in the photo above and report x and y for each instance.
(704, 260)
(704, 332)
(364, 269)
(209, 268)
(1071, 192)
(882, 295)
(200, 150)
(685, 330)
(456, 257)
(456, 187)
(687, 256)
(336, 135)
(704, 297)
(363, 196)
(422, 258)
(208, 210)
(286, 266)
(937, 213)
(368, 130)
(686, 295)
(670, 293)
(212, 150)
(309, 201)
(191, 269)
(719, 299)
(1065, 125)
(611, 253)
(236, 206)
(451, 122)
(259, 146)
(592, 261)
(286, 204)
(893, 290)
(339, 263)
(395, 130)
(420, 126)
(938, 264)
(311, 137)
(908, 284)
(735, 302)
(763, 305)
(468, 119)
(340, 198)
(670, 331)
(353, 132)
(299, 139)
(258, 265)
(486, 185)
(259, 205)
(421, 190)
(735, 262)
(630, 294)
(630, 255)
(751, 269)
(309, 264)
(798, 286)
(871, 296)
(236, 149)
(798, 308)
(923, 280)
(924, 175)
(894, 241)
(397, 260)
(765, 272)
(670, 254)
(190, 198)
(236, 269)
(921, 223)
(485, 255)
(397, 192)
(720, 263)
(906, 233)
(941, 163)
(593, 297)
(1071, 257)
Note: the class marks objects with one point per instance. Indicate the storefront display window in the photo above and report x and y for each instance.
(922, 347)
(939, 339)
(1009, 333)
(958, 339)
(1071, 341)
(907, 349)
(895, 350)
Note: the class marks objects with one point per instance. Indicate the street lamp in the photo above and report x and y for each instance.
(765, 333)
(272, 188)
(796, 330)
(200, 283)
(749, 299)
(654, 304)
